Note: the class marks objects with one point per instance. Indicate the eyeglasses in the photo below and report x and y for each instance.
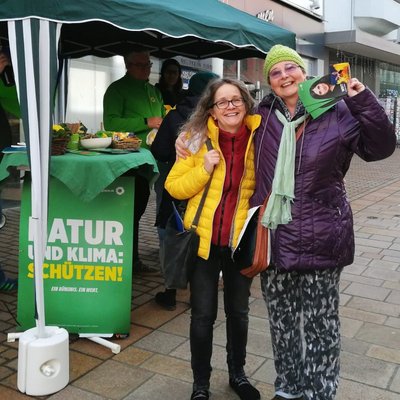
(223, 104)
(142, 65)
(288, 68)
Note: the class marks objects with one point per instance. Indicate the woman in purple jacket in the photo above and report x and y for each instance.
(310, 219)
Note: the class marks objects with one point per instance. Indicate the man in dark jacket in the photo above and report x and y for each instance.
(163, 149)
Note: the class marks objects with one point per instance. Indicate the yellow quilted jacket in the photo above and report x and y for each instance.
(188, 178)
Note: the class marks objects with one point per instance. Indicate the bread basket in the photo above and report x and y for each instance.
(125, 141)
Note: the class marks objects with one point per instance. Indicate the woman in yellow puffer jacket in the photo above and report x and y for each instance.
(223, 114)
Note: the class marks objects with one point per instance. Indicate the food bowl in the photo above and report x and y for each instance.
(96, 143)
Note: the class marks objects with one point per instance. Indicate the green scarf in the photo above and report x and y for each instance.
(278, 209)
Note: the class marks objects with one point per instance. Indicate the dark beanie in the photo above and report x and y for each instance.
(199, 81)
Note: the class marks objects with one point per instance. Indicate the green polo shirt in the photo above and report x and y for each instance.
(126, 104)
(9, 99)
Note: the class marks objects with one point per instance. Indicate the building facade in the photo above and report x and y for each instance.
(365, 33)
(297, 16)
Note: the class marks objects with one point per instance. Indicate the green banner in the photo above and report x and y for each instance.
(88, 265)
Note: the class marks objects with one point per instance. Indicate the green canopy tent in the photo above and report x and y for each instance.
(40, 33)
(196, 29)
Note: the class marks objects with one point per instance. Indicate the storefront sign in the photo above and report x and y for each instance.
(267, 15)
(88, 265)
(205, 64)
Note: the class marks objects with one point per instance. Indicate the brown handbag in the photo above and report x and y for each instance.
(260, 253)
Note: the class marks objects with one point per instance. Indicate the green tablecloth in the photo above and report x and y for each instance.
(86, 176)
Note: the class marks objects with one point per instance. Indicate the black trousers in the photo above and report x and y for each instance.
(204, 302)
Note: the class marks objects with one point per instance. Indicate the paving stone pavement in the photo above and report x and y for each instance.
(154, 363)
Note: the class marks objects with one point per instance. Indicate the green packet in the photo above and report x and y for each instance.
(73, 143)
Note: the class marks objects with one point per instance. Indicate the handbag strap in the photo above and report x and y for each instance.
(203, 197)
(301, 128)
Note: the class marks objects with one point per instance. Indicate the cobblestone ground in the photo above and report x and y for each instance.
(364, 177)
(154, 363)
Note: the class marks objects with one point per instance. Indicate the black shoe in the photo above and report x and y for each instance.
(200, 395)
(140, 268)
(9, 285)
(244, 389)
(167, 299)
(277, 397)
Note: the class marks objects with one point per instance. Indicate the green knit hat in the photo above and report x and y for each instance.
(280, 53)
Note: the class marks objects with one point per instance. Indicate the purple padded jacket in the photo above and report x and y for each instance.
(321, 233)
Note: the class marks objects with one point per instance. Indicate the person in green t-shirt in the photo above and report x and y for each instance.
(9, 103)
(132, 104)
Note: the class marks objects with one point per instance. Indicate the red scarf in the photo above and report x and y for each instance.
(233, 148)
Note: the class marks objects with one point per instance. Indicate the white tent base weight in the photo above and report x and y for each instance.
(31, 335)
(43, 362)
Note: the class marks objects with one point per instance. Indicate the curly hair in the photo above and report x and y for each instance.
(196, 125)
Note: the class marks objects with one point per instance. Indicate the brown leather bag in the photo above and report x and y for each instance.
(260, 255)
